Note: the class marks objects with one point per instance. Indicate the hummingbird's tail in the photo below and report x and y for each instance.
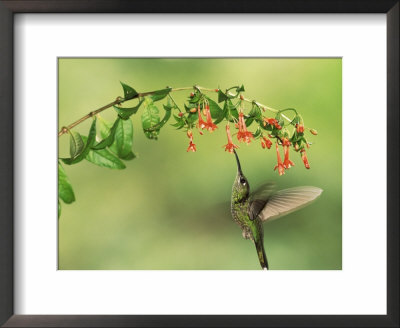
(261, 253)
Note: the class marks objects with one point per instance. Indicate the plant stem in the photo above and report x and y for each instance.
(120, 100)
(173, 100)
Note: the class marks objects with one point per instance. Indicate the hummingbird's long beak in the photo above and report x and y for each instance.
(238, 163)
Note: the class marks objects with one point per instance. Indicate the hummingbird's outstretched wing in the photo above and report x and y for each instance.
(288, 200)
(259, 198)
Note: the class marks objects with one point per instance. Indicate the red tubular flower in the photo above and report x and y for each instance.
(287, 163)
(201, 124)
(272, 121)
(281, 168)
(304, 158)
(299, 128)
(266, 143)
(285, 142)
(192, 146)
(210, 125)
(243, 135)
(230, 146)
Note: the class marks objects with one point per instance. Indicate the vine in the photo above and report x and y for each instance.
(200, 113)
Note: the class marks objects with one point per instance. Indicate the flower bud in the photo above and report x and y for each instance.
(299, 128)
(314, 132)
(191, 95)
(216, 90)
(193, 110)
(180, 114)
(241, 97)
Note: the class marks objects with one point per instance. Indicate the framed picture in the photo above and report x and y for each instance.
(148, 116)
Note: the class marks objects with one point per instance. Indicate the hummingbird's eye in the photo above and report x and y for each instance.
(242, 181)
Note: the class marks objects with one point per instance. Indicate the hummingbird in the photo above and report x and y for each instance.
(251, 210)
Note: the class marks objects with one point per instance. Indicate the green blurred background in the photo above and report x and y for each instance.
(169, 209)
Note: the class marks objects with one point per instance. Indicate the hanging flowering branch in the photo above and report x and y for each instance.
(109, 144)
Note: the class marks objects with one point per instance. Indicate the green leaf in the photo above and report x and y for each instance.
(129, 92)
(223, 114)
(296, 120)
(105, 158)
(215, 110)
(89, 144)
(295, 137)
(150, 118)
(192, 117)
(221, 96)
(249, 120)
(196, 98)
(160, 94)
(105, 130)
(109, 138)
(130, 156)
(126, 113)
(240, 89)
(180, 123)
(257, 133)
(65, 191)
(75, 143)
(255, 112)
(124, 138)
(231, 112)
(104, 127)
(168, 106)
(254, 115)
(162, 122)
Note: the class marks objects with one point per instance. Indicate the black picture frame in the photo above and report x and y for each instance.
(7, 11)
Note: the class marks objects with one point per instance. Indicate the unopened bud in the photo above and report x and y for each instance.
(216, 90)
(314, 132)
(193, 110)
(180, 114)
(241, 97)
(191, 95)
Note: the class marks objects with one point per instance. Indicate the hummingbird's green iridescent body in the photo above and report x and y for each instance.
(240, 208)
